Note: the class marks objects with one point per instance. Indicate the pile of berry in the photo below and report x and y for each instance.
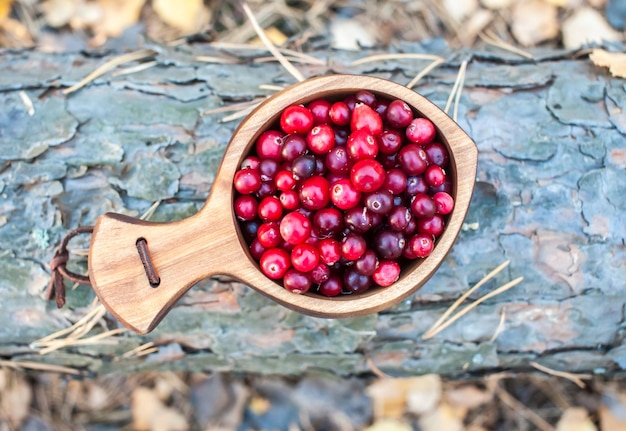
(341, 193)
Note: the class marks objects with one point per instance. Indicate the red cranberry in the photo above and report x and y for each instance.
(295, 227)
(267, 189)
(321, 139)
(367, 263)
(437, 154)
(331, 287)
(269, 145)
(362, 145)
(314, 193)
(337, 160)
(395, 181)
(445, 187)
(412, 158)
(381, 107)
(296, 281)
(250, 162)
(431, 226)
(353, 282)
(296, 119)
(270, 209)
(304, 257)
(344, 194)
(293, 147)
(329, 251)
(399, 218)
(319, 109)
(245, 207)
(274, 263)
(358, 219)
(268, 169)
(421, 131)
(434, 176)
(350, 102)
(256, 249)
(387, 273)
(353, 246)
(289, 200)
(268, 235)
(389, 141)
(421, 245)
(410, 228)
(423, 206)
(379, 202)
(367, 175)
(340, 114)
(366, 97)
(365, 118)
(284, 181)
(399, 114)
(247, 181)
(444, 202)
(415, 185)
(320, 273)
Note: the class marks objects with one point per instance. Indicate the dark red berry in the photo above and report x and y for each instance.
(331, 287)
(431, 226)
(296, 119)
(434, 176)
(247, 181)
(340, 114)
(399, 114)
(296, 281)
(379, 202)
(268, 169)
(399, 218)
(256, 249)
(359, 219)
(293, 147)
(444, 202)
(245, 207)
(395, 181)
(389, 141)
(423, 206)
(415, 185)
(437, 154)
(412, 159)
(250, 162)
(328, 221)
(366, 97)
(337, 160)
(354, 282)
(421, 131)
(367, 263)
(319, 109)
(303, 167)
(389, 244)
(320, 273)
(269, 145)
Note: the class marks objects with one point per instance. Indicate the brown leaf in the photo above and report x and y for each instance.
(187, 16)
(150, 414)
(615, 61)
(15, 397)
(534, 21)
(445, 417)
(575, 419)
(587, 25)
(392, 397)
(117, 16)
(468, 396)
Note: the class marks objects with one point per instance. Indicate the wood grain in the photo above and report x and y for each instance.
(209, 243)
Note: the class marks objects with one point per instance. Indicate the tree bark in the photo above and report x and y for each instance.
(548, 197)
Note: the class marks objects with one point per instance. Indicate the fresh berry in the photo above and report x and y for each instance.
(296, 119)
(269, 145)
(365, 118)
(304, 257)
(444, 202)
(344, 194)
(295, 227)
(421, 131)
(367, 175)
(331, 287)
(399, 114)
(321, 139)
(296, 281)
(387, 273)
(275, 262)
(247, 181)
(314, 193)
(421, 245)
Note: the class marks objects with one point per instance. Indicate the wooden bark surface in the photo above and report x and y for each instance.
(549, 197)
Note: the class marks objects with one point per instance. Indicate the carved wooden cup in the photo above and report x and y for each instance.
(210, 243)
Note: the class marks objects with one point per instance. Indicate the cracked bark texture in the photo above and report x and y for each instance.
(549, 197)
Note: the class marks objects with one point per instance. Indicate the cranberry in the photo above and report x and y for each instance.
(289, 200)
(389, 141)
(268, 235)
(399, 114)
(331, 287)
(423, 206)
(293, 147)
(256, 249)
(366, 97)
(444, 202)
(328, 221)
(399, 218)
(250, 162)
(337, 160)
(358, 219)
(354, 282)
(267, 189)
(329, 251)
(314, 193)
(415, 185)
(245, 207)
(319, 109)
(284, 181)
(434, 176)
(445, 187)
(421, 245)
(320, 273)
(249, 229)
(362, 145)
(379, 202)
(296, 119)
(295, 227)
(340, 114)
(395, 181)
(389, 244)
(367, 175)
(367, 263)
(350, 102)
(303, 167)
(410, 228)
(296, 281)
(437, 154)
(365, 118)
(344, 194)
(274, 263)
(431, 226)
(268, 169)
(381, 107)
(421, 131)
(413, 160)
(353, 246)
(341, 136)
(304, 257)
(321, 139)
(387, 273)
(247, 181)
(270, 209)
(269, 145)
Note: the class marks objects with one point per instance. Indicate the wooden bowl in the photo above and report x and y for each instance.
(209, 243)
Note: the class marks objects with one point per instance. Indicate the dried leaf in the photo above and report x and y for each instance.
(117, 16)
(392, 397)
(58, 13)
(149, 413)
(15, 397)
(609, 421)
(445, 417)
(459, 10)
(587, 25)
(534, 21)
(575, 419)
(275, 36)
(468, 396)
(389, 425)
(187, 16)
(5, 8)
(615, 61)
(350, 35)
(496, 4)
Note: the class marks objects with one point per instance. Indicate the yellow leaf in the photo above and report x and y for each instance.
(5, 8)
(149, 413)
(615, 61)
(389, 425)
(187, 16)
(274, 35)
(445, 417)
(58, 13)
(118, 15)
(392, 397)
(575, 419)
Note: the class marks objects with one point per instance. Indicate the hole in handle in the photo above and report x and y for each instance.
(144, 255)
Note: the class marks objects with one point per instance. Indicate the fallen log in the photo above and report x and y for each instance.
(548, 198)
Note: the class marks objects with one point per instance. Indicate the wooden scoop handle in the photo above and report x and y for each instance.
(140, 269)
